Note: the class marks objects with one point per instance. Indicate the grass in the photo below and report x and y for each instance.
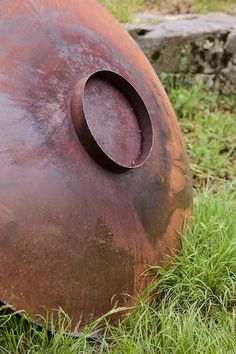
(208, 123)
(124, 9)
(193, 307)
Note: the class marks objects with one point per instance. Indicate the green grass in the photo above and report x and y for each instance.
(193, 307)
(123, 10)
(208, 123)
(213, 6)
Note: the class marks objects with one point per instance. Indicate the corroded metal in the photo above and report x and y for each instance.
(94, 180)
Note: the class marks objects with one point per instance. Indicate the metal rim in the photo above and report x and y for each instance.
(84, 131)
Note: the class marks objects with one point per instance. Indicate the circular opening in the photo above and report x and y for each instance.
(112, 121)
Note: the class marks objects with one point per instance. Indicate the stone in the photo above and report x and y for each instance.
(189, 45)
(230, 45)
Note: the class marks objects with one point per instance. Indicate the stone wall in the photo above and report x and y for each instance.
(195, 47)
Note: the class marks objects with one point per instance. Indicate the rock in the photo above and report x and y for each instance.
(216, 19)
(189, 45)
(150, 18)
(230, 45)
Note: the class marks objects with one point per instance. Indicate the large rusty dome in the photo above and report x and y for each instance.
(94, 179)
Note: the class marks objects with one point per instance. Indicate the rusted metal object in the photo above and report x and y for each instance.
(94, 181)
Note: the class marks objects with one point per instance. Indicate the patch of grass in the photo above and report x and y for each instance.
(123, 10)
(192, 311)
(208, 123)
(213, 6)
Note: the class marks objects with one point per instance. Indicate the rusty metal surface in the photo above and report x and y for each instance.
(94, 180)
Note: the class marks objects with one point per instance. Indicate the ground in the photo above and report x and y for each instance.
(124, 9)
(193, 307)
